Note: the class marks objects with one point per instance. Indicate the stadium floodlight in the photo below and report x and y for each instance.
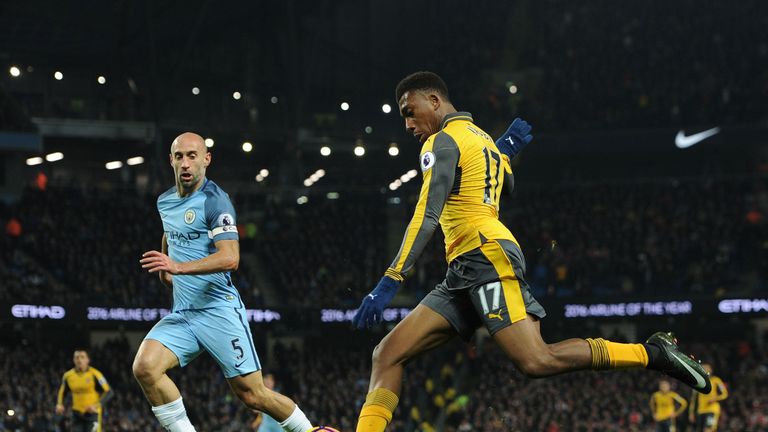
(332, 195)
(136, 160)
(264, 172)
(320, 172)
(344, 106)
(393, 150)
(14, 71)
(393, 186)
(359, 150)
(259, 177)
(236, 95)
(513, 89)
(398, 182)
(314, 177)
(404, 178)
(34, 161)
(11, 413)
(308, 182)
(53, 157)
(195, 91)
(273, 99)
(209, 142)
(58, 75)
(325, 151)
(302, 200)
(247, 147)
(386, 108)
(368, 130)
(113, 165)
(412, 173)
(101, 80)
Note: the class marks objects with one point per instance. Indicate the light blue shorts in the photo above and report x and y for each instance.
(222, 331)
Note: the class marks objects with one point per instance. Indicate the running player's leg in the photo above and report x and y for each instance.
(170, 343)
(511, 313)
(225, 334)
(423, 329)
(250, 389)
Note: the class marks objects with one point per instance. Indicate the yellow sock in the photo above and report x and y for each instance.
(612, 355)
(377, 411)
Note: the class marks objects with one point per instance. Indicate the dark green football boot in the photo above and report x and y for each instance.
(677, 364)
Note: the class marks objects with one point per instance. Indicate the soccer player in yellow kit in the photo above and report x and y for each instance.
(90, 391)
(462, 170)
(704, 409)
(663, 407)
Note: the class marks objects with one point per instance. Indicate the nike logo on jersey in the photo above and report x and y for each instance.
(682, 141)
(237, 365)
(372, 296)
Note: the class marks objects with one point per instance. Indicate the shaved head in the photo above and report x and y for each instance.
(189, 159)
(190, 138)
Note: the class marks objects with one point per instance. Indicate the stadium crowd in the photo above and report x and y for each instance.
(455, 389)
(640, 238)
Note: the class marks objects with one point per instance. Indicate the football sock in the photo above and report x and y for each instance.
(612, 355)
(173, 417)
(377, 410)
(296, 422)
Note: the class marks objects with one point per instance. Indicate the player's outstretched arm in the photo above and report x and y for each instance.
(439, 158)
(515, 139)
(225, 259)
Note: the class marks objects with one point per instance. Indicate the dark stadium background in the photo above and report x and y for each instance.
(623, 232)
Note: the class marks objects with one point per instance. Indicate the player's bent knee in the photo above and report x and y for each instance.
(145, 370)
(384, 356)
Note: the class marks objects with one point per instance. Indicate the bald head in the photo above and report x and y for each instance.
(189, 139)
(189, 159)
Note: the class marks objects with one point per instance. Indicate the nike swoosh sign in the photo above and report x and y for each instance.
(237, 365)
(682, 141)
(700, 383)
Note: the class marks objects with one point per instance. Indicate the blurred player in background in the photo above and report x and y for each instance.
(663, 407)
(90, 391)
(199, 249)
(462, 170)
(263, 422)
(704, 409)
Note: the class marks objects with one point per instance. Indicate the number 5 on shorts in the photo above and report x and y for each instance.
(237, 347)
(492, 292)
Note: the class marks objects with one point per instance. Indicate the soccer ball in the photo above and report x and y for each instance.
(323, 429)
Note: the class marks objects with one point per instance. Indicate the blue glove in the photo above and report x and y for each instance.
(373, 304)
(515, 138)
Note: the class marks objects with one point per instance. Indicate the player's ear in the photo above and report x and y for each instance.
(207, 158)
(435, 101)
(170, 159)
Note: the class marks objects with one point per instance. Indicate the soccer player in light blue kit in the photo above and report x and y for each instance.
(199, 249)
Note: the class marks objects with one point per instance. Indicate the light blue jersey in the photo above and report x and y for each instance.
(192, 224)
(208, 314)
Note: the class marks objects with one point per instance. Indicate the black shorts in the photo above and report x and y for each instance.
(667, 425)
(485, 286)
(86, 422)
(706, 421)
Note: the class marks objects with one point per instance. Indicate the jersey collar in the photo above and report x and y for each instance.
(458, 115)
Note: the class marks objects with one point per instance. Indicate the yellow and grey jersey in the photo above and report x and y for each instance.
(463, 175)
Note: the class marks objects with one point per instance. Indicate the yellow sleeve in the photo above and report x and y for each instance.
(722, 392)
(683, 403)
(62, 389)
(101, 380)
(438, 161)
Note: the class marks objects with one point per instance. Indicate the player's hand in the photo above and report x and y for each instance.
(373, 304)
(514, 140)
(59, 409)
(155, 261)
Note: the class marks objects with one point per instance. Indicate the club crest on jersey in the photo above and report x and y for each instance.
(427, 160)
(225, 219)
(189, 216)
